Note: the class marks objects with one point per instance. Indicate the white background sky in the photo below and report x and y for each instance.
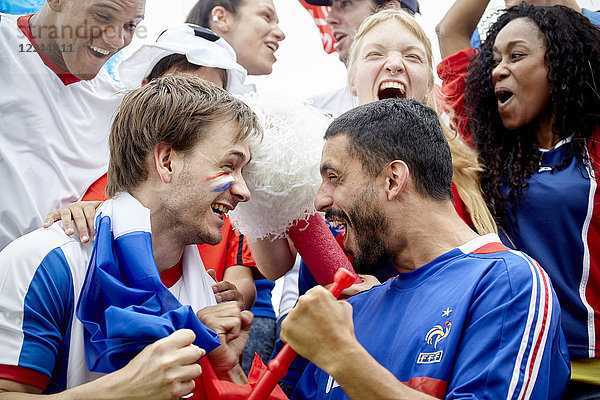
(303, 68)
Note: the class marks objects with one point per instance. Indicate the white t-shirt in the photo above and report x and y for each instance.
(53, 136)
(289, 292)
(42, 275)
(334, 103)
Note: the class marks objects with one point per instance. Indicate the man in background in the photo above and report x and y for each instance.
(57, 104)
(345, 18)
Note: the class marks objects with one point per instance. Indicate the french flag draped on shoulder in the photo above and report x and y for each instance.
(123, 305)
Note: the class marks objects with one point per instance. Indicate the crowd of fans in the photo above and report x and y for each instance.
(468, 210)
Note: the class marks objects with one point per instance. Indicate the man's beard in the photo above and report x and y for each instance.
(369, 227)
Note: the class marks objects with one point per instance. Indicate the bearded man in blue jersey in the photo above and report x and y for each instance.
(465, 317)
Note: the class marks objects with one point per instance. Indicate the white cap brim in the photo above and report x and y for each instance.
(181, 39)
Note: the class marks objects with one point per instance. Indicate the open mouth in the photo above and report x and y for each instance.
(272, 46)
(503, 95)
(98, 52)
(339, 36)
(342, 228)
(337, 224)
(391, 90)
(219, 209)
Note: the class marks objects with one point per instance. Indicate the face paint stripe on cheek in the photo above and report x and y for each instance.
(221, 182)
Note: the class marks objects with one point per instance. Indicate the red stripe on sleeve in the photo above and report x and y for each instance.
(431, 386)
(536, 348)
(493, 247)
(24, 375)
(592, 290)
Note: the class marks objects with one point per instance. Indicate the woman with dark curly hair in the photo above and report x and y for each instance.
(532, 108)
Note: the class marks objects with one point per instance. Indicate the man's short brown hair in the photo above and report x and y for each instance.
(176, 110)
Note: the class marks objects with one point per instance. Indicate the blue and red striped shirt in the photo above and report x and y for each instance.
(480, 321)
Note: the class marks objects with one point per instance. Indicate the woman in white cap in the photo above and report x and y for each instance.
(185, 48)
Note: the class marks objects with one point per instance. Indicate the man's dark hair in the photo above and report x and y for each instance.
(200, 14)
(399, 129)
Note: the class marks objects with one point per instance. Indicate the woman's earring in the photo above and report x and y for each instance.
(224, 28)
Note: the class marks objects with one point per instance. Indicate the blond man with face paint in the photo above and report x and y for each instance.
(178, 146)
(57, 104)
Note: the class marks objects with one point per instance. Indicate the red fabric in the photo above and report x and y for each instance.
(66, 77)
(493, 247)
(592, 292)
(209, 387)
(460, 207)
(452, 70)
(431, 386)
(319, 14)
(172, 275)
(97, 191)
(24, 375)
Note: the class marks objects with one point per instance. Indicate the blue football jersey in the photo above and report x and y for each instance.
(480, 321)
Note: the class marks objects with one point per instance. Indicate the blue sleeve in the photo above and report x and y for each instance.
(307, 385)
(475, 39)
(41, 309)
(593, 16)
(512, 345)
(306, 280)
(263, 305)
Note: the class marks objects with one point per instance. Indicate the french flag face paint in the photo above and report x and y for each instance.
(221, 182)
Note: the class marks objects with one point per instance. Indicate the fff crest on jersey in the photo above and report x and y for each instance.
(432, 338)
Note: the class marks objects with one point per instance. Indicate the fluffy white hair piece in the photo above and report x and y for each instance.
(283, 175)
